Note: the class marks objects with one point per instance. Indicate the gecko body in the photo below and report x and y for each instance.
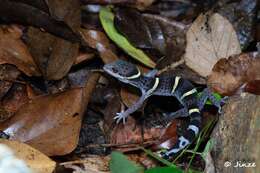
(161, 85)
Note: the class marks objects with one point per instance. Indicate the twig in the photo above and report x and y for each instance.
(172, 66)
(14, 81)
(168, 21)
(119, 145)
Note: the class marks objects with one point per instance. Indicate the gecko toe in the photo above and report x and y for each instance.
(120, 117)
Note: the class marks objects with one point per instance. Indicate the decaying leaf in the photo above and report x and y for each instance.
(84, 57)
(128, 97)
(140, 4)
(67, 11)
(210, 38)
(129, 136)
(107, 20)
(241, 14)
(14, 99)
(8, 75)
(228, 75)
(54, 56)
(14, 51)
(99, 41)
(51, 123)
(132, 25)
(93, 164)
(34, 159)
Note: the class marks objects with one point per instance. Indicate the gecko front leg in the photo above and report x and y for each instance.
(123, 115)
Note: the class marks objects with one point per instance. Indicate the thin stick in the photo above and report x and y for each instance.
(172, 66)
(168, 21)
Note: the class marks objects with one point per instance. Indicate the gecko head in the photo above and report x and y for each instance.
(122, 70)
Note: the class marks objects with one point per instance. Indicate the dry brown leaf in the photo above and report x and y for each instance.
(93, 164)
(14, 51)
(99, 41)
(8, 74)
(51, 123)
(129, 136)
(228, 75)
(14, 99)
(210, 38)
(54, 56)
(84, 57)
(67, 11)
(34, 159)
(61, 53)
(128, 97)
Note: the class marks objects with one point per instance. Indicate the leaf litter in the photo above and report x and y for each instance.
(54, 98)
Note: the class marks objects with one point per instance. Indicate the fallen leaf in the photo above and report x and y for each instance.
(253, 87)
(241, 14)
(67, 11)
(131, 24)
(140, 4)
(35, 13)
(99, 41)
(54, 56)
(129, 136)
(14, 51)
(8, 75)
(107, 20)
(210, 38)
(51, 123)
(128, 97)
(34, 159)
(228, 75)
(93, 164)
(84, 57)
(14, 99)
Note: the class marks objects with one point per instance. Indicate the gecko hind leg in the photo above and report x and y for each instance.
(180, 113)
(207, 94)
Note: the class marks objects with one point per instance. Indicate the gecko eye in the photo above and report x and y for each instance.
(114, 70)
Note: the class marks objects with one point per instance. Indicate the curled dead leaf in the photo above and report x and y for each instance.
(210, 38)
(228, 75)
(14, 99)
(14, 51)
(99, 41)
(34, 159)
(51, 123)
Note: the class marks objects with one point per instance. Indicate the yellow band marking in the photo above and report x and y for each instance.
(176, 82)
(155, 85)
(135, 75)
(194, 110)
(188, 93)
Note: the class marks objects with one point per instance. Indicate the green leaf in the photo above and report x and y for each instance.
(164, 170)
(120, 164)
(208, 148)
(107, 20)
(166, 162)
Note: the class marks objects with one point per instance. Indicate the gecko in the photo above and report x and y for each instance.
(163, 85)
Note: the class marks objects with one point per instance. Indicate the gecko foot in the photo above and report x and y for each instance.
(222, 102)
(120, 116)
